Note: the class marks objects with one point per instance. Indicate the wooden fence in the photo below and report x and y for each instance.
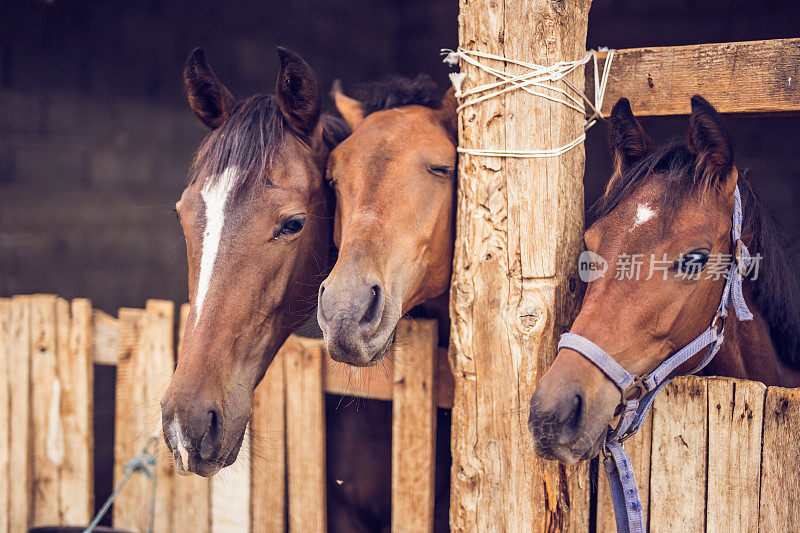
(715, 453)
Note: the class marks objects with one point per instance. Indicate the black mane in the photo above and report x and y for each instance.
(398, 91)
(776, 290)
(249, 139)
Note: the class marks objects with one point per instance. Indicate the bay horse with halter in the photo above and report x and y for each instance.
(687, 214)
(257, 220)
(394, 179)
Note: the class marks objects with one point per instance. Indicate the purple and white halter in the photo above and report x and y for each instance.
(638, 392)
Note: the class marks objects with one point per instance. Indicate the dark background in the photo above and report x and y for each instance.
(96, 136)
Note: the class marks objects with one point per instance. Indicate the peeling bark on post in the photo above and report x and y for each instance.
(519, 227)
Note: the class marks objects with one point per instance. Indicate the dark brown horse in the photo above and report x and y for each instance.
(664, 228)
(257, 221)
(394, 227)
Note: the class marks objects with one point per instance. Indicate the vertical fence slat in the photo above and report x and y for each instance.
(5, 429)
(268, 453)
(159, 337)
(639, 448)
(678, 460)
(143, 372)
(76, 373)
(414, 426)
(191, 497)
(19, 391)
(735, 422)
(129, 435)
(780, 475)
(230, 494)
(305, 434)
(45, 401)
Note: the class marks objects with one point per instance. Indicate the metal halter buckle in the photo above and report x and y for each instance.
(740, 265)
(717, 325)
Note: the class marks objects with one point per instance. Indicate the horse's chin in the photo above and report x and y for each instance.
(572, 453)
(208, 468)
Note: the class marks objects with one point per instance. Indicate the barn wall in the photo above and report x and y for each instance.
(96, 137)
(768, 146)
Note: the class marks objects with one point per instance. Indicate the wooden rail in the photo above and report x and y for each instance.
(745, 77)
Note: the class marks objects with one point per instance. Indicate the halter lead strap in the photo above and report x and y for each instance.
(621, 478)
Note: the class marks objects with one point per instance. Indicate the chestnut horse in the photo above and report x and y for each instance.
(257, 221)
(394, 179)
(671, 207)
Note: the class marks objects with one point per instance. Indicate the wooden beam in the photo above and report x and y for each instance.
(746, 77)
(414, 426)
(735, 423)
(305, 434)
(678, 460)
(5, 430)
(519, 225)
(19, 379)
(191, 495)
(780, 478)
(268, 454)
(76, 374)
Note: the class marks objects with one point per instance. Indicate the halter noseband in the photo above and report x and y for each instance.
(638, 392)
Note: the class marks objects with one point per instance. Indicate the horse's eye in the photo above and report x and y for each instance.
(441, 170)
(692, 263)
(292, 225)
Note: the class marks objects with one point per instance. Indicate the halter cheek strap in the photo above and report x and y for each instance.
(638, 392)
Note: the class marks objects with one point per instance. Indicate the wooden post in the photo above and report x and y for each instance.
(518, 232)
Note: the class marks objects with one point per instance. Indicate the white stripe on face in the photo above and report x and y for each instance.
(215, 197)
(643, 213)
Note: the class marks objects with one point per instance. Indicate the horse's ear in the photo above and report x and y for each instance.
(298, 93)
(208, 98)
(349, 108)
(710, 142)
(627, 139)
(448, 113)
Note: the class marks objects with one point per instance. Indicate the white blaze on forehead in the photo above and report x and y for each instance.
(215, 197)
(643, 213)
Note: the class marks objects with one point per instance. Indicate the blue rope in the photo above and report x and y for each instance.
(143, 463)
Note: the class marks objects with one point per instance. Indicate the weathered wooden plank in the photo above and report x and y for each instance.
(230, 493)
(735, 423)
(158, 337)
(105, 340)
(414, 426)
(639, 448)
(5, 430)
(305, 434)
(47, 432)
(678, 460)
(76, 375)
(518, 229)
(129, 422)
(780, 475)
(19, 377)
(145, 366)
(743, 77)
(268, 450)
(191, 497)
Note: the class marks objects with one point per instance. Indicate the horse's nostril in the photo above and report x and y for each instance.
(575, 419)
(375, 296)
(210, 442)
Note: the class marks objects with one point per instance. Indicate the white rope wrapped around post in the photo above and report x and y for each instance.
(539, 80)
